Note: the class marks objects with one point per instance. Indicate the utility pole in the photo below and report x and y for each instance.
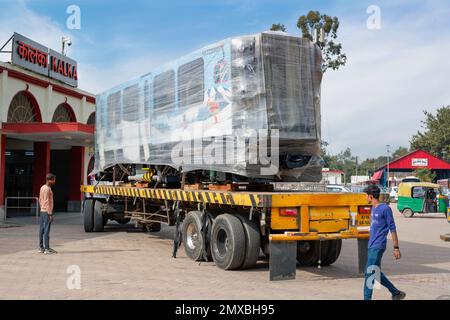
(388, 151)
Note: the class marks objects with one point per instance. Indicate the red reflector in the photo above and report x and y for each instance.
(288, 212)
(364, 209)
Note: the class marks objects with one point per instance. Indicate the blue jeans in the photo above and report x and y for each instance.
(44, 231)
(373, 271)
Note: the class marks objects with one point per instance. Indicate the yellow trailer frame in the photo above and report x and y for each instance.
(321, 216)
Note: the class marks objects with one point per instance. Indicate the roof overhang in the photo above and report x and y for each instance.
(73, 134)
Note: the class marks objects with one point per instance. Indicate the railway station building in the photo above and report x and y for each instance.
(46, 125)
(406, 166)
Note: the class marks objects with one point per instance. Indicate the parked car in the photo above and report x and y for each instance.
(393, 194)
(337, 188)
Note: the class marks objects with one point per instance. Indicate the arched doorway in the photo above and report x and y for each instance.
(91, 119)
(20, 155)
(64, 113)
(23, 109)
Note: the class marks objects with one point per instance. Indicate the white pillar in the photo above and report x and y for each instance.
(3, 90)
(48, 105)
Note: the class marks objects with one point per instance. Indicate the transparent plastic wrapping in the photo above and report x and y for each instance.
(248, 105)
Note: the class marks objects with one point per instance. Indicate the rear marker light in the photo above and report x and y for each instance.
(289, 212)
(364, 209)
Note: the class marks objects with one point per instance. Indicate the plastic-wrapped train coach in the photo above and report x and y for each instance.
(232, 88)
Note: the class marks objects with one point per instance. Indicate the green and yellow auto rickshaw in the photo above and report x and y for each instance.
(421, 197)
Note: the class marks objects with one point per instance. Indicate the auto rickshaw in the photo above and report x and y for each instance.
(421, 197)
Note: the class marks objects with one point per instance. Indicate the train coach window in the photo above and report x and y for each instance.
(114, 108)
(164, 92)
(191, 83)
(131, 103)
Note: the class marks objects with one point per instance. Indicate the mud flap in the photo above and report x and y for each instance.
(283, 260)
(362, 255)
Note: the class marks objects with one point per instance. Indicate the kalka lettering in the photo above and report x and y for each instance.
(64, 68)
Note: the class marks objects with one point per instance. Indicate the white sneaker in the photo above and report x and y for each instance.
(41, 250)
(50, 251)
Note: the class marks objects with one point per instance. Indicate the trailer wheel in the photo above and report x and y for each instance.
(88, 215)
(252, 242)
(228, 242)
(308, 252)
(408, 213)
(334, 250)
(98, 217)
(191, 232)
(154, 227)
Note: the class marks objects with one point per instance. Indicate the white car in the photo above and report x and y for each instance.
(393, 194)
(337, 188)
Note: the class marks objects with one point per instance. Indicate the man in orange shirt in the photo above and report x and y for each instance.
(46, 204)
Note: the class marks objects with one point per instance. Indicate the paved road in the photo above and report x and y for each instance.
(123, 263)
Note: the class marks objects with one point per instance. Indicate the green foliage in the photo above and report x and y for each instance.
(278, 27)
(346, 161)
(425, 175)
(436, 136)
(312, 24)
(400, 152)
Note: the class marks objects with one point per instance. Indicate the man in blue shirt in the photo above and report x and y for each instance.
(382, 221)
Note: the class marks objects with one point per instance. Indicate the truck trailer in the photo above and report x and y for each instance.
(225, 211)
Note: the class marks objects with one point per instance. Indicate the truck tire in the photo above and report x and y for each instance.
(98, 217)
(265, 247)
(88, 215)
(192, 237)
(228, 242)
(154, 227)
(252, 242)
(308, 252)
(334, 250)
(408, 213)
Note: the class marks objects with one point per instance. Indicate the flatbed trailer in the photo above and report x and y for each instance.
(232, 227)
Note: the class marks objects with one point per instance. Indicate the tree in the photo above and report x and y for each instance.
(425, 175)
(436, 136)
(315, 23)
(400, 152)
(278, 27)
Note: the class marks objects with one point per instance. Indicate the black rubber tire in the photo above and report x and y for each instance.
(228, 242)
(408, 213)
(194, 245)
(252, 242)
(88, 215)
(98, 217)
(154, 227)
(123, 220)
(265, 247)
(334, 250)
(310, 257)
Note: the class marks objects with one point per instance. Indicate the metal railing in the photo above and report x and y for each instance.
(22, 207)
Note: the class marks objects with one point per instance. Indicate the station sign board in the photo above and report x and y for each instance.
(43, 60)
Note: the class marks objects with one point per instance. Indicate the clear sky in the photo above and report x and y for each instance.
(392, 75)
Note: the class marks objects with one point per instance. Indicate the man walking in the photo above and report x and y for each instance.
(46, 204)
(382, 221)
